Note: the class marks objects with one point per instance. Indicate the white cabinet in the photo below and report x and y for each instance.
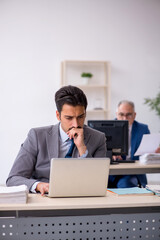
(97, 88)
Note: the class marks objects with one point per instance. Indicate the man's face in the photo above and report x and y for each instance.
(126, 112)
(71, 116)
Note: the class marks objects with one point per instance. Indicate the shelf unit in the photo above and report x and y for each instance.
(97, 89)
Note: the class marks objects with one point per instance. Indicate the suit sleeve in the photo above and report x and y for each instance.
(23, 167)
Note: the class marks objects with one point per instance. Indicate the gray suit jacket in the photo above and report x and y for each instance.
(33, 160)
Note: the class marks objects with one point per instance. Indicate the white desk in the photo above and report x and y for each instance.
(133, 168)
(109, 217)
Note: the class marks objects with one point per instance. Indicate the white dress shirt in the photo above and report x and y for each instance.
(129, 142)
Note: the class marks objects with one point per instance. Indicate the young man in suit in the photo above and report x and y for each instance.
(32, 165)
(126, 111)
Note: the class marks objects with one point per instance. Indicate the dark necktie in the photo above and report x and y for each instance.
(69, 153)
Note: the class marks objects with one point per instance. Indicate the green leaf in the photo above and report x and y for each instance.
(84, 74)
(154, 103)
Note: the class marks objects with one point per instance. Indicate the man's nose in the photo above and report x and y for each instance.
(75, 122)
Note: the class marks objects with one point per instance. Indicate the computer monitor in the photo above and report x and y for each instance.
(116, 132)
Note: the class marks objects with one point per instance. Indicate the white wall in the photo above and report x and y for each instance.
(35, 36)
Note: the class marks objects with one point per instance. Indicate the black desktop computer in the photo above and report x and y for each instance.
(116, 132)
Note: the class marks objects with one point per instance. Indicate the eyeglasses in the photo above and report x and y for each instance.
(127, 115)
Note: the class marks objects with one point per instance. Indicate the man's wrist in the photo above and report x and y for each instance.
(85, 154)
(82, 150)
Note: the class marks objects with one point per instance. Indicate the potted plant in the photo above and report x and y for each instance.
(85, 77)
(154, 103)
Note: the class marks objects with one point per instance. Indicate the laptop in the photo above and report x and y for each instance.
(78, 177)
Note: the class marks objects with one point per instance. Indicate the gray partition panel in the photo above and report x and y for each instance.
(98, 227)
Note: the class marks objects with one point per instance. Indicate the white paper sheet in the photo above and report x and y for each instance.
(149, 143)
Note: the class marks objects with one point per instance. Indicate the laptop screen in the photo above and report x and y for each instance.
(78, 177)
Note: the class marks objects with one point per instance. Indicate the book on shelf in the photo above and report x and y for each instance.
(15, 194)
(133, 191)
(155, 188)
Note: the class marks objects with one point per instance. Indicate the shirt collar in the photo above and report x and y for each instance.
(63, 134)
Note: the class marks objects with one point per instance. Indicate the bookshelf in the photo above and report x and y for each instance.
(97, 88)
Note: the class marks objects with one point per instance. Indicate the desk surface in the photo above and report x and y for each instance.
(133, 168)
(37, 202)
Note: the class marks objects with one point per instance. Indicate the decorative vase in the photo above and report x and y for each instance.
(84, 80)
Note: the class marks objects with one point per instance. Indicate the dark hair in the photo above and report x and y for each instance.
(70, 95)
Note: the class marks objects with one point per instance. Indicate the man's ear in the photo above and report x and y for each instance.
(58, 115)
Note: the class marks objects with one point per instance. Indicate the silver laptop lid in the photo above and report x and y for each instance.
(78, 177)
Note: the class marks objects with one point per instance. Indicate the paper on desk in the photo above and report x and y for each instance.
(149, 143)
